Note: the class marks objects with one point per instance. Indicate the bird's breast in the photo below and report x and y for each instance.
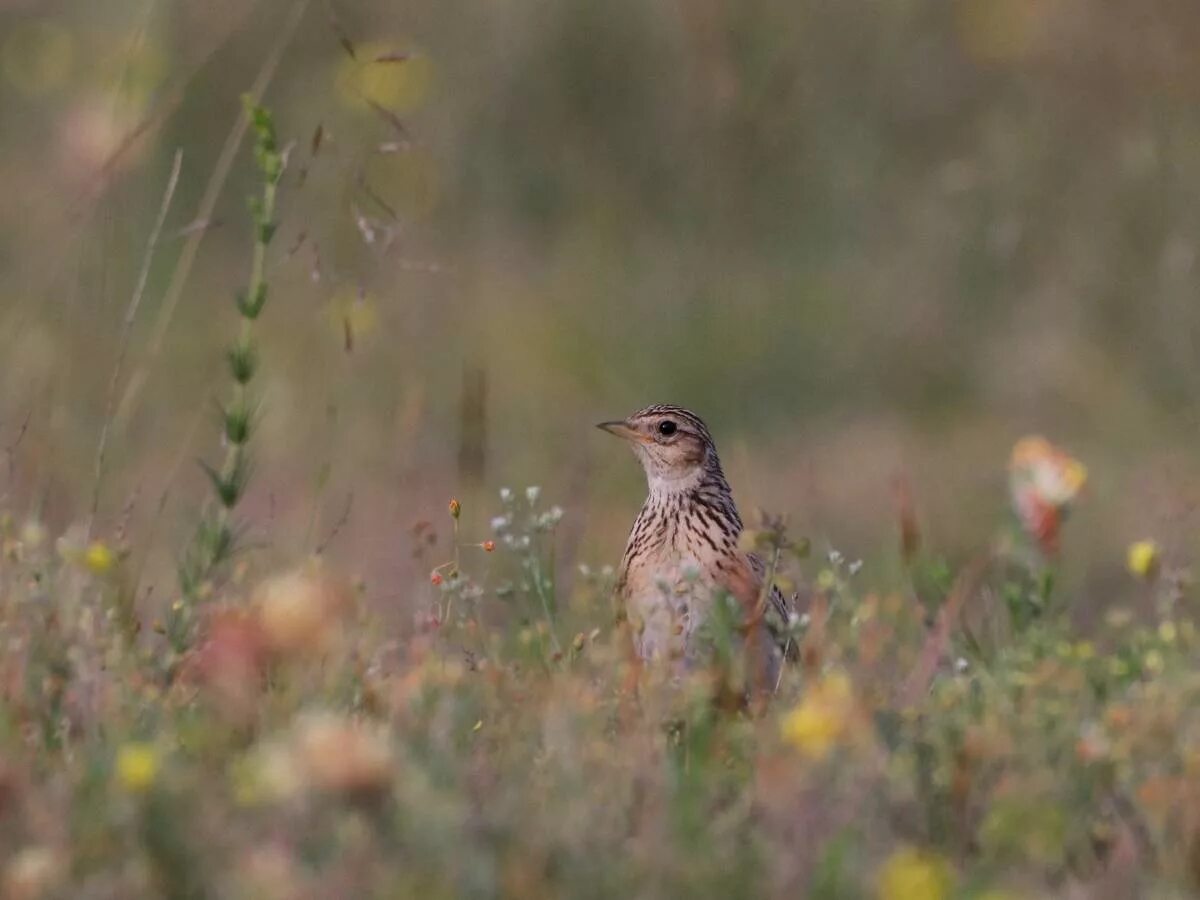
(679, 557)
(668, 596)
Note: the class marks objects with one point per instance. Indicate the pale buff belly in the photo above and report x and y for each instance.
(667, 606)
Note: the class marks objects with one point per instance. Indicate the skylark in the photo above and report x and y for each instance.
(683, 553)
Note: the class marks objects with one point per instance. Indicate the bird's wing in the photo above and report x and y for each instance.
(776, 602)
(745, 582)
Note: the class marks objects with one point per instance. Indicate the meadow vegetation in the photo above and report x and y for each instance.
(956, 736)
(336, 658)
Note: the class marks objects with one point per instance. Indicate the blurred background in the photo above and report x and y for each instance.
(869, 243)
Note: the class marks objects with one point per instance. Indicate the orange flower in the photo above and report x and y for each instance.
(231, 662)
(340, 754)
(1044, 482)
(300, 611)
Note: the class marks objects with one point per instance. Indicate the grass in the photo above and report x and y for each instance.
(960, 739)
(269, 733)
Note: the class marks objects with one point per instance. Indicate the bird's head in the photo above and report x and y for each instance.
(673, 445)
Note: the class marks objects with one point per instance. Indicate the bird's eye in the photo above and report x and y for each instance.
(666, 428)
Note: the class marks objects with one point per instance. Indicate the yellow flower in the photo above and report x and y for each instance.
(33, 534)
(811, 730)
(1154, 662)
(399, 86)
(822, 718)
(911, 874)
(997, 31)
(99, 558)
(37, 58)
(1143, 559)
(1118, 618)
(137, 766)
(352, 315)
(270, 773)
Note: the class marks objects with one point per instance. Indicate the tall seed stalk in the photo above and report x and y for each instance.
(216, 535)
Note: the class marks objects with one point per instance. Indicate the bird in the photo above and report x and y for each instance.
(684, 551)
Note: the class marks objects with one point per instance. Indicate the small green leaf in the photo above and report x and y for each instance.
(251, 306)
(243, 362)
(237, 424)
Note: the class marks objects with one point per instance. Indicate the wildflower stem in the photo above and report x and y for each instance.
(540, 588)
(215, 537)
(456, 547)
(235, 452)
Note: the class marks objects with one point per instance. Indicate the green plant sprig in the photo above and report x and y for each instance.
(216, 536)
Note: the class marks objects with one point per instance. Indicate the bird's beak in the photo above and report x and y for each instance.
(621, 429)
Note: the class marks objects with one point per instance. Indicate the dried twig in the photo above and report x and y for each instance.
(127, 515)
(390, 117)
(338, 525)
(126, 329)
(939, 636)
(10, 452)
(339, 32)
(194, 226)
(374, 197)
(314, 272)
(298, 243)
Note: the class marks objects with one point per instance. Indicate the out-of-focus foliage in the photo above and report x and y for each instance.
(302, 749)
(861, 241)
(873, 244)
